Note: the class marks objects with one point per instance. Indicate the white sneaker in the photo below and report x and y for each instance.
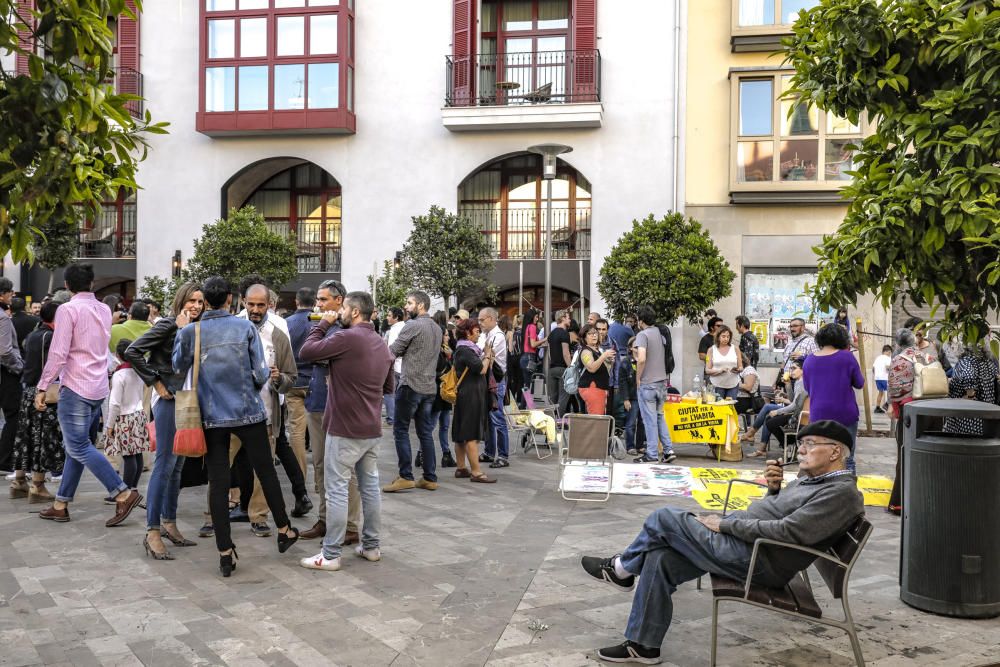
(10, 477)
(319, 562)
(372, 555)
(54, 478)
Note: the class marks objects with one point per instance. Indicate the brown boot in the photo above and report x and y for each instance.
(19, 488)
(318, 530)
(351, 537)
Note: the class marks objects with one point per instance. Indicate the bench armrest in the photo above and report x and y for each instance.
(729, 489)
(785, 545)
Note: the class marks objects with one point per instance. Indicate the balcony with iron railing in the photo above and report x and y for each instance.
(111, 236)
(128, 81)
(520, 233)
(318, 244)
(523, 90)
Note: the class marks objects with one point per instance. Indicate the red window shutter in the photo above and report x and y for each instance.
(463, 52)
(24, 38)
(585, 50)
(127, 76)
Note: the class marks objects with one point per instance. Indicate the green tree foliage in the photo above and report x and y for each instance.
(160, 290)
(923, 220)
(670, 264)
(242, 244)
(55, 245)
(447, 255)
(66, 138)
(390, 287)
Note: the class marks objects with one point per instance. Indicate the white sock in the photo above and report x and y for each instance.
(620, 571)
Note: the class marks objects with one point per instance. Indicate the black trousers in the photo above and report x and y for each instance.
(776, 427)
(255, 442)
(286, 455)
(896, 497)
(10, 403)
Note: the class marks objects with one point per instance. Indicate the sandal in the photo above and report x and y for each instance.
(482, 479)
(462, 473)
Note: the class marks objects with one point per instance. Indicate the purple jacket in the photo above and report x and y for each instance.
(830, 382)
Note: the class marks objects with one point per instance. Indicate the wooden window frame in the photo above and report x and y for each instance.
(339, 119)
(776, 184)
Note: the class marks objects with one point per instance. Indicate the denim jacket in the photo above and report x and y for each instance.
(233, 369)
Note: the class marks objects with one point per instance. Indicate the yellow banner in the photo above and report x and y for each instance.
(697, 423)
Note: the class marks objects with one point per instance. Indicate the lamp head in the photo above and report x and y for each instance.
(549, 153)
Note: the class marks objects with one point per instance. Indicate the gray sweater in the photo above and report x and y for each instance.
(810, 513)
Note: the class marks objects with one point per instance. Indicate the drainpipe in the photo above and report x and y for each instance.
(676, 139)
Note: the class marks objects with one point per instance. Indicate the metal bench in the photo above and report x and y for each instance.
(796, 599)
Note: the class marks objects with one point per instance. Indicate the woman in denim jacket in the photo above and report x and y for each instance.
(233, 371)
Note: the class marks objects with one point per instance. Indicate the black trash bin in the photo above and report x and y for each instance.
(950, 553)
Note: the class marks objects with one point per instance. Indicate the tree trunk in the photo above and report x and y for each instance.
(52, 279)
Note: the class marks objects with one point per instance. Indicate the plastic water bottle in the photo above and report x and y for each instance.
(696, 385)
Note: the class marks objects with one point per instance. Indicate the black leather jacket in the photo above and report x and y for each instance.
(150, 355)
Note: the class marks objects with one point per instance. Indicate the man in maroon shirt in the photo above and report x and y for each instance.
(360, 374)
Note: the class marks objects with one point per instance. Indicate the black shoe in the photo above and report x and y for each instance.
(448, 461)
(645, 459)
(208, 530)
(227, 563)
(500, 463)
(629, 651)
(419, 462)
(604, 569)
(260, 529)
(878, 410)
(485, 458)
(237, 515)
(302, 507)
(669, 456)
(286, 540)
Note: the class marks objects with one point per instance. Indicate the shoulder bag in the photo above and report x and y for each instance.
(929, 380)
(189, 440)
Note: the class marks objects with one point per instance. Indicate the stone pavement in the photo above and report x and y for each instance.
(471, 575)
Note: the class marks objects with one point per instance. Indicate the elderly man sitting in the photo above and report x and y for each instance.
(675, 546)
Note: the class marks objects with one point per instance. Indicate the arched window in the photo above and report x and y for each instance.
(507, 199)
(305, 203)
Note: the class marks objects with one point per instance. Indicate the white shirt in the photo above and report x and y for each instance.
(881, 367)
(390, 338)
(126, 395)
(272, 317)
(269, 357)
(498, 341)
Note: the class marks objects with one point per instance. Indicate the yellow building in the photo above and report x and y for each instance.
(764, 183)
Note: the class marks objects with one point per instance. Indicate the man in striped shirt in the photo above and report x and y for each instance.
(78, 356)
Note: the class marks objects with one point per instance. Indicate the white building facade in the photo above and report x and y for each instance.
(341, 120)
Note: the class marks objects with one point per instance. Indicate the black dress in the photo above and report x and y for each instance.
(472, 406)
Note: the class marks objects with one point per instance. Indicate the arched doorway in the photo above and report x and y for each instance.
(297, 199)
(533, 296)
(506, 198)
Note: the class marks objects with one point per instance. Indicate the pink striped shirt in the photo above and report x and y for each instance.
(78, 353)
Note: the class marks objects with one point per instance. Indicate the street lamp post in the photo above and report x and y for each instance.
(549, 153)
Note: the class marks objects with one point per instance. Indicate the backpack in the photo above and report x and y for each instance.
(449, 385)
(571, 376)
(668, 349)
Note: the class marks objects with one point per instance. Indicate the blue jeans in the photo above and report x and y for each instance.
(389, 401)
(727, 393)
(651, 399)
(496, 433)
(759, 422)
(410, 404)
(165, 479)
(342, 456)
(674, 547)
(443, 420)
(853, 428)
(630, 423)
(77, 416)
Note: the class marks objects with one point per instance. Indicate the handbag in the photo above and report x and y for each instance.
(929, 380)
(52, 391)
(189, 440)
(449, 385)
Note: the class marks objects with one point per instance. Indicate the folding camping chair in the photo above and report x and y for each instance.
(586, 441)
(524, 433)
(538, 394)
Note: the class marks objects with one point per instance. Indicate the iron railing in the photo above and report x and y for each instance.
(111, 235)
(520, 233)
(128, 81)
(540, 77)
(318, 247)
